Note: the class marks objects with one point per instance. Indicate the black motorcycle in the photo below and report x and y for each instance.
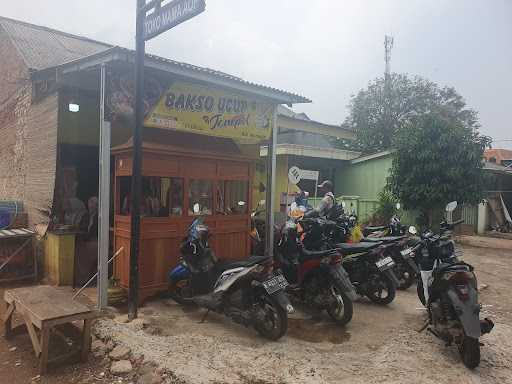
(398, 247)
(250, 291)
(370, 270)
(367, 263)
(448, 288)
(394, 234)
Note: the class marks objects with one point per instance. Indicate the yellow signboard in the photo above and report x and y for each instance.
(208, 111)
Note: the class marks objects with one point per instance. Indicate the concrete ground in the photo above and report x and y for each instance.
(380, 345)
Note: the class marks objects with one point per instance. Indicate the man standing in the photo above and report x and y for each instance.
(327, 201)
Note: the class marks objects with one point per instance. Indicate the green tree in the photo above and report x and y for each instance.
(378, 111)
(437, 159)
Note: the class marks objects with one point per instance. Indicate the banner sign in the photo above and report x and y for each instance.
(200, 109)
(170, 15)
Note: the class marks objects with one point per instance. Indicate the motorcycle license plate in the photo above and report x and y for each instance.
(276, 283)
(406, 252)
(385, 262)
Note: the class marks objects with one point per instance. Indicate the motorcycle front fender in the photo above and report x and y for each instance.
(179, 272)
(283, 301)
(413, 265)
(339, 276)
(468, 312)
(391, 275)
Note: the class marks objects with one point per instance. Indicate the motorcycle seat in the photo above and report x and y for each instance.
(384, 239)
(307, 254)
(351, 248)
(376, 228)
(249, 262)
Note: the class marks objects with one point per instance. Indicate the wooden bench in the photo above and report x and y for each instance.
(44, 308)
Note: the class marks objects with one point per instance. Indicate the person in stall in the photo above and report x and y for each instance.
(87, 243)
(74, 211)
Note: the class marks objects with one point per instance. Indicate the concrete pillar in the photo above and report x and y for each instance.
(483, 217)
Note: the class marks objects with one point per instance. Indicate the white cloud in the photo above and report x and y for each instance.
(323, 49)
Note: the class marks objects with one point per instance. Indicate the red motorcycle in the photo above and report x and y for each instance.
(316, 277)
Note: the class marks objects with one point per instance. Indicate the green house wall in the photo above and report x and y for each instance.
(364, 179)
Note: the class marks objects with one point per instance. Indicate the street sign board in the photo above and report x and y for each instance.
(294, 175)
(170, 15)
(309, 175)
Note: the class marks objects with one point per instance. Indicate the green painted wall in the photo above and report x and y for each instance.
(365, 179)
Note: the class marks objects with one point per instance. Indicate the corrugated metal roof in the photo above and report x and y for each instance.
(283, 111)
(189, 70)
(43, 47)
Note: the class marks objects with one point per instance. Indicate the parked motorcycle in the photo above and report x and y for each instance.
(316, 277)
(368, 266)
(257, 234)
(370, 270)
(394, 234)
(448, 288)
(250, 291)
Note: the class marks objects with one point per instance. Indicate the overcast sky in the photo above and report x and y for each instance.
(325, 50)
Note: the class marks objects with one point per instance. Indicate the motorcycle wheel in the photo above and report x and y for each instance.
(380, 284)
(419, 290)
(405, 275)
(275, 323)
(470, 352)
(341, 312)
(178, 292)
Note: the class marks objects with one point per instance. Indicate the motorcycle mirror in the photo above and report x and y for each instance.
(398, 206)
(450, 207)
(195, 208)
(413, 230)
(241, 203)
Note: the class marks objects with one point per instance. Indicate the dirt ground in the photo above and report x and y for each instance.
(380, 345)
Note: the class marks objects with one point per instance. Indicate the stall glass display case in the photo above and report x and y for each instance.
(174, 179)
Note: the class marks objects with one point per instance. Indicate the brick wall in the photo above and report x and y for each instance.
(28, 137)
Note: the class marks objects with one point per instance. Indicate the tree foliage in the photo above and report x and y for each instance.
(386, 207)
(437, 159)
(378, 111)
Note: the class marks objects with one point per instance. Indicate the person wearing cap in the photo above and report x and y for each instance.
(327, 201)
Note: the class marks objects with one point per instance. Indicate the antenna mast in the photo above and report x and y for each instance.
(388, 46)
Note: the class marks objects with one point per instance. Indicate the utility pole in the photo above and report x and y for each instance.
(148, 26)
(140, 46)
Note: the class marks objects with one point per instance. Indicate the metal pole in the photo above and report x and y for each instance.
(104, 197)
(133, 292)
(271, 187)
(96, 274)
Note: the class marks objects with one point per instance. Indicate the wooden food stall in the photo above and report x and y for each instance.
(179, 170)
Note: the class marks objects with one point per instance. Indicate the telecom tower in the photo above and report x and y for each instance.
(388, 46)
